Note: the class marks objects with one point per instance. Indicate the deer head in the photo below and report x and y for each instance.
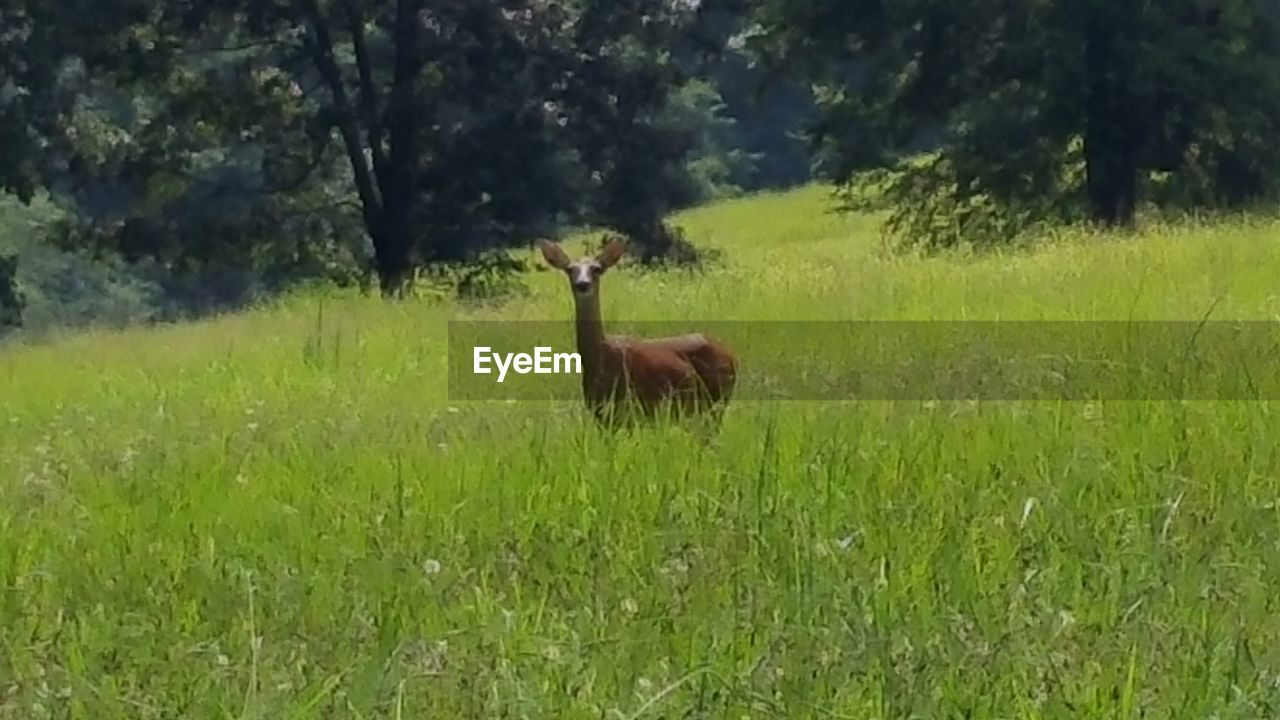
(584, 275)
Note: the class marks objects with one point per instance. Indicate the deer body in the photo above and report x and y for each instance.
(687, 374)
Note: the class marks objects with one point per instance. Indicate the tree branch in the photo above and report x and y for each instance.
(219, 49)
(321, 44)
(314, 162)
(368, 88)
(315, 208)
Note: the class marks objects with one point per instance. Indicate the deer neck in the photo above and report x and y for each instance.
(590, 332)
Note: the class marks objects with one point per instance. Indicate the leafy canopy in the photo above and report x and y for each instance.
(985, 117)
(279, 138)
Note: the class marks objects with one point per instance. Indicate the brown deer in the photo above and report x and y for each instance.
(686, 375)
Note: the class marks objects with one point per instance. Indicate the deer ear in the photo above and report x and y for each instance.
(553, 254)
(612, 253)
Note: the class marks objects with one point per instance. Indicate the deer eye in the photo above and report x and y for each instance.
(596, 269)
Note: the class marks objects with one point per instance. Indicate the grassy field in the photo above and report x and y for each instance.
(280, 514)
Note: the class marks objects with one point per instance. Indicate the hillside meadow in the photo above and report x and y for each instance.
(280, 513)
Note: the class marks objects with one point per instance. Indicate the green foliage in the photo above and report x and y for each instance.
(767, 110)
(493, 277)
(1039, 111)
(718, 166)
(316, 138)
(72, 290)
(69, 291)
(928, 206)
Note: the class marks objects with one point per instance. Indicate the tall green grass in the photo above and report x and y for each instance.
(280, 514)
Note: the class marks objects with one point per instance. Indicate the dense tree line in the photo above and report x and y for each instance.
(986, 117)
(220, 147)
(294, 137)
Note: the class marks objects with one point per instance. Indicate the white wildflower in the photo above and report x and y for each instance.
(1027, 507)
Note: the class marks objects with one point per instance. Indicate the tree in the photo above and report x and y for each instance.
(443, 130)
(104, 108)
(718, 165)
(1036, 110)
(764, 113)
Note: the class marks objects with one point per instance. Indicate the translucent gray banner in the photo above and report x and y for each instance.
(943, 361)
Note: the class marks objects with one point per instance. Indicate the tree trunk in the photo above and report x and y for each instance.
(397, 176)
(384, 181)
(11, 299)
(1111, 138)
(1111, 178)
(393, 251)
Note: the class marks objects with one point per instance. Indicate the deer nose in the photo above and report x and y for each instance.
(582, 285)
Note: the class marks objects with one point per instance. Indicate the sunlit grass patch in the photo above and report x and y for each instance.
(281, 513)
